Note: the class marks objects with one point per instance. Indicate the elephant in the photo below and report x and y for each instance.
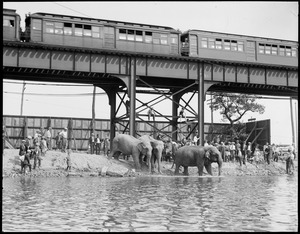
(154, 153)
(199, 156)
(128, 145)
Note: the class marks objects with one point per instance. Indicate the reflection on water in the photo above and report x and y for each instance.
(150, 204)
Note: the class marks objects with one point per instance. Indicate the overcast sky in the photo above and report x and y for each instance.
(263, 19)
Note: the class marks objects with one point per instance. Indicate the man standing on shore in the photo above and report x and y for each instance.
(64, 137)
(92, 142)
(48, 137)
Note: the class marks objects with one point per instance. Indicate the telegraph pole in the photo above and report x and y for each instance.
(93, 110)
(292, 121)
(22, 98)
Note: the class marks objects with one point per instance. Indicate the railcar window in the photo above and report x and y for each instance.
(219, 44)
(211, 43)
(268, 49)
(122, 34)
(240, 46)
(204, 42)
(49, 27)
(130, 35)
(139, 35)
(78, 29)
(155, 40)
(274, 49)
(174, 39)
(234, 45)
(37, 24)
(95, 32)
(8, 21)
(58, 28)
(261, 48)
(67, 29)
(288, 51)
(226, 44)
(148, 37)
(294, 52)
(281, 50)
(87, 30)
(164, 39)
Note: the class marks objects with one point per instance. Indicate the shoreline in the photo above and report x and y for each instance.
(83, 164)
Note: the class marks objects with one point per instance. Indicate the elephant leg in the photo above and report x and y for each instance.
(116, 155)
(158, 164)
(137, 164)
(185, 171)
(208, 168)
(200, 169)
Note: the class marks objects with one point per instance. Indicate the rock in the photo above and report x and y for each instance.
(73, 174)
(116, 170)
(103, 171)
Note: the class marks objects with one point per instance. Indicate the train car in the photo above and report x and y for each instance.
(214, 45)
(11, 25)
(83, 32)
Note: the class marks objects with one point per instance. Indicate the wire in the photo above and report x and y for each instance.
(53, 94)
(11, 82)
(72, 10)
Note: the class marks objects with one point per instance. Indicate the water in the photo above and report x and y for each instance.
(150, 204)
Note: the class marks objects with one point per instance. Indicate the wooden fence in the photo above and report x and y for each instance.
(18, 127)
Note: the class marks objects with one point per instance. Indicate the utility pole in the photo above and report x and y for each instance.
(22, 98)
(292, 121)
(93, 110)
(296, 112)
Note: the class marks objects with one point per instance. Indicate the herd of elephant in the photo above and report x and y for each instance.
(152, 149)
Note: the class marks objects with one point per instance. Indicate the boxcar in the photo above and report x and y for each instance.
(11, 25)
(213, 45)
(101, 34)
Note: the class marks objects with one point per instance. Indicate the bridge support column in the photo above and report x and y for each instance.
(132, 96)
(201, 99)
(175, 105)
(111, 93)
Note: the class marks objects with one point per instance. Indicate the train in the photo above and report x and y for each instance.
(83, 32)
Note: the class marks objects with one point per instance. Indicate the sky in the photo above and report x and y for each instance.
(263, 19)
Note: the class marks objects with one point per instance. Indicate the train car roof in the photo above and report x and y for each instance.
(43, 14)
(240, 35)
(9, 11)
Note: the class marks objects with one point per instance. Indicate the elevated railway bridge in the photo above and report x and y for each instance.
(123, 74)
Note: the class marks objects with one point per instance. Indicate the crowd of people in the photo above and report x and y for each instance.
(35, 148)
(98, 145)
(242, 151)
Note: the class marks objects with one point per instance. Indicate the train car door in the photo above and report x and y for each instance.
(109, 37)
(193, 45)
(36, 30)
(251, 51)
(174, 44)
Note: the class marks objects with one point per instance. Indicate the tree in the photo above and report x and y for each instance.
(233, 107)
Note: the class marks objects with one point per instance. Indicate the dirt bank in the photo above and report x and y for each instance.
(54, 164)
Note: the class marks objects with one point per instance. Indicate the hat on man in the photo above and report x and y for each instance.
(29, 137)
(23, 140)
(66, 128)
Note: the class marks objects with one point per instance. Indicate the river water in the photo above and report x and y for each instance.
(150, 204)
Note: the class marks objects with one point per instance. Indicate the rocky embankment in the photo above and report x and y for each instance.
(54, 165)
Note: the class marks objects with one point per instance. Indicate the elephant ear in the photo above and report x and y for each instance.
(207, 154)
(141, 147)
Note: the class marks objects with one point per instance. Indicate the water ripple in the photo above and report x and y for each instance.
(150, 204)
